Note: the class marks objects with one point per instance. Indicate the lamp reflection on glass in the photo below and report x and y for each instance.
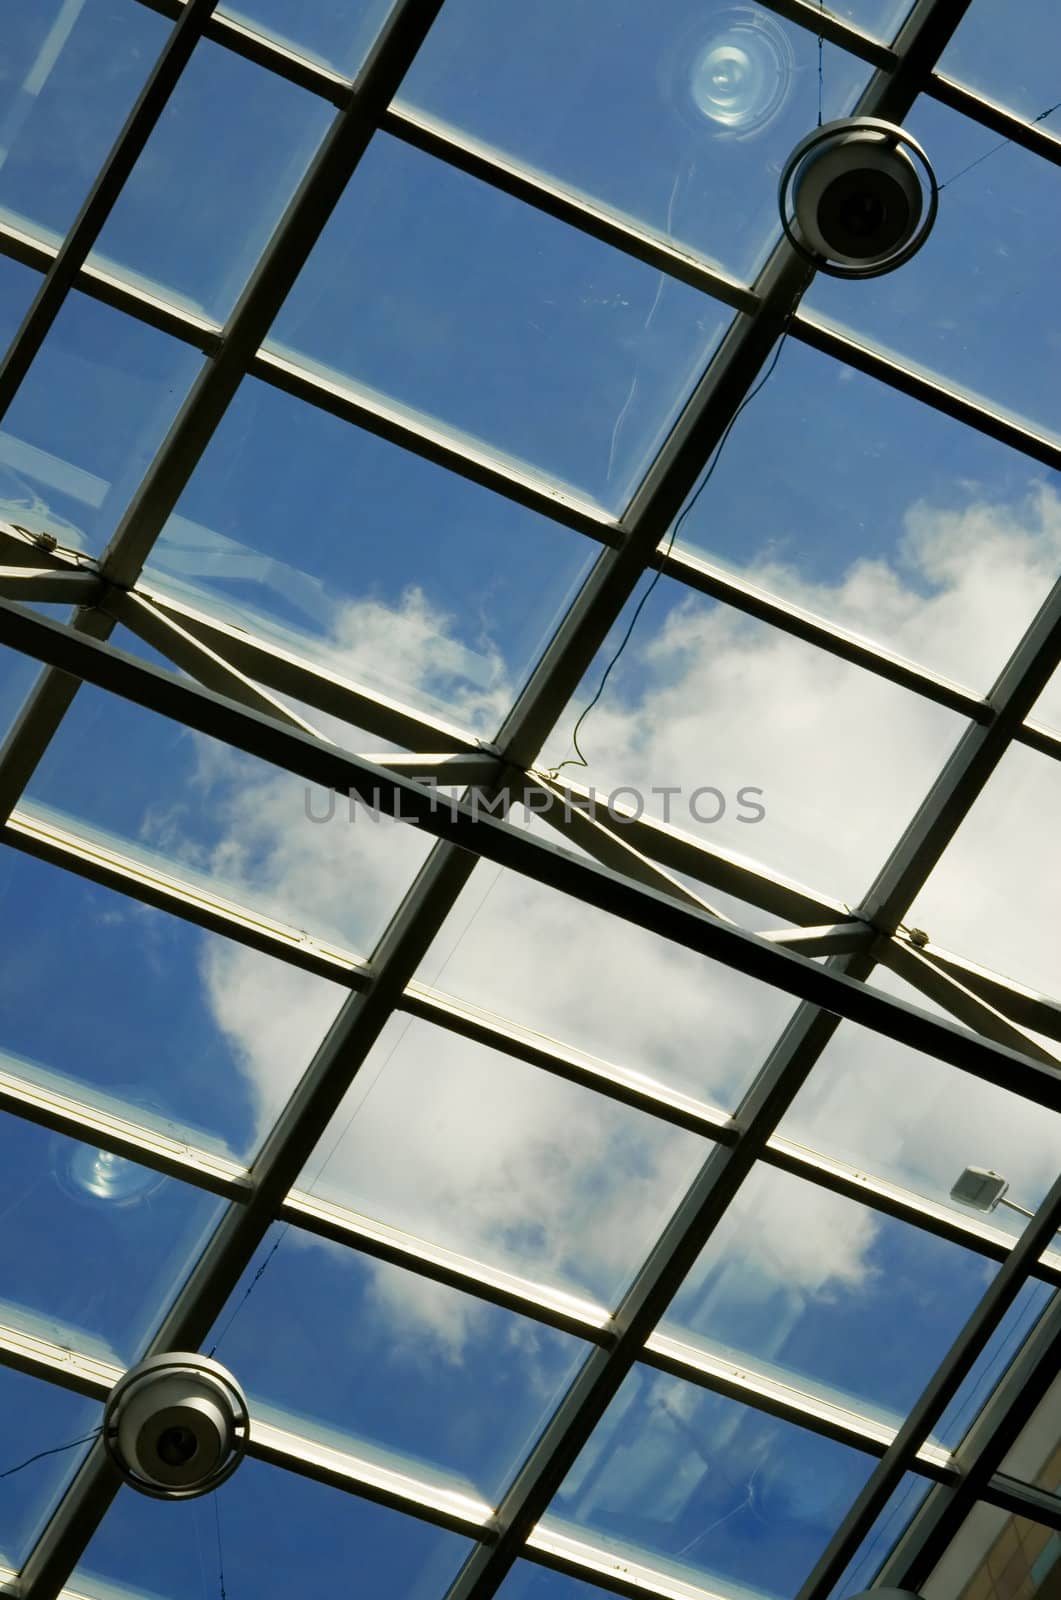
(94, 1174)
(740, 77)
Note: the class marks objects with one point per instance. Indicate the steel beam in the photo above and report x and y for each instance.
(469, 827)
(963, 1003)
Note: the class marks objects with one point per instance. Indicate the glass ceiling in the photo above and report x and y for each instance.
(556, 1140)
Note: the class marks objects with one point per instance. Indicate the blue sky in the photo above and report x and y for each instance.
(432, 294)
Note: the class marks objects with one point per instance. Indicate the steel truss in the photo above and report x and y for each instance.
(245, 684)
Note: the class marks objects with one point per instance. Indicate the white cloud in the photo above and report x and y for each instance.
(486, 1157)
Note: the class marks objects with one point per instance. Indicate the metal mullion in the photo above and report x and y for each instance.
(937, 1395)
(836, 939)
(486, 836)
(1037, 736)
(811, 329)
(444, 143)
(45, 841)
(704, 577)
(961, 1002)
(665, 1352)
(891, 1200)
(999, 119)
(79, 1119)
(100, 201)
(980, 1454)
(541, 1302)
(264, 52)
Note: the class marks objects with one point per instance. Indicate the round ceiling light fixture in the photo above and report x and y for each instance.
(741, 76)
(176, 1426)
(858, 197)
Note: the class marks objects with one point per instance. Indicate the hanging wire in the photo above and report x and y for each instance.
(821, 49)
(579, 759)
(59, 1448)
(995, 148)
(220, 1559)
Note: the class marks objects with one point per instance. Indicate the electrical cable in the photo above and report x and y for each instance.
(579, 759)
(220, 1560)
(59, 1448)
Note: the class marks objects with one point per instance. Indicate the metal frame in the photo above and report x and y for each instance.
(244, 684)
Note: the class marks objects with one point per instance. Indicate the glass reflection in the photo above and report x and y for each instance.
(86, 1265)
(73, 69)
(706, 1490)
(87, 420)
(1036, 1456)
(743, 75)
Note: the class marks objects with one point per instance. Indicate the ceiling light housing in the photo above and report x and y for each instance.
(176, 1426)
(858, 197)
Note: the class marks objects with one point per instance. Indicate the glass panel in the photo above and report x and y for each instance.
(172, 1048)
(679, 116)
(382, 566)
(998, 1557)
(501, 1161)
(817, 782)
(37, 1416)
(91, 1248)
(1015, 67)
(1001, 1349)
(601, 985)
(528, 1582)
(882, 1537)
(706, 1490)
(1036, 1455)
(808, 1285)
(251, 827)
(213, 179)
(279, 1534)
(903, 1116)
(968, 307)
(883, 516)
(1048, 706)
(509, 327)
(384, 1364)
(86, 421)
(337, 33)
(18, 285)
(992, 898)
(17, 675)
(73, 69)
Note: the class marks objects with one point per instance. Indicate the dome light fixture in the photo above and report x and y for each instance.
(858, 197)
(176, 1426)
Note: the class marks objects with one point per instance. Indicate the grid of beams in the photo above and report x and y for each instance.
(242, 683)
